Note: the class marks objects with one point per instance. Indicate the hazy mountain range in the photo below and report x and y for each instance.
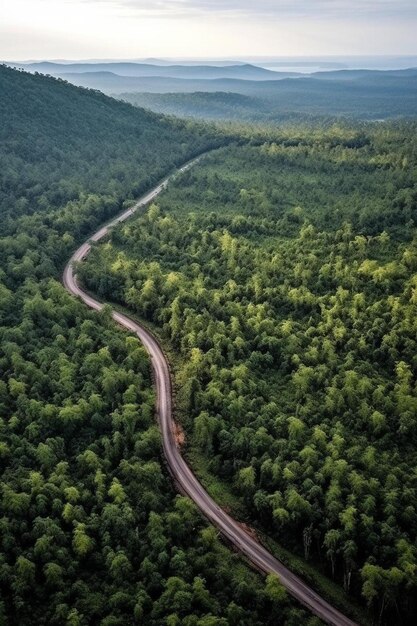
(115, 77)
(239, 71)
(360, 93)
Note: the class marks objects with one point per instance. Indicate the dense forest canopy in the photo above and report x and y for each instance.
(91, 531)
(60, 143)
(284, 278)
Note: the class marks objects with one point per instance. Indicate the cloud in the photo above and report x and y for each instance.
(212, 28)
(271, 8)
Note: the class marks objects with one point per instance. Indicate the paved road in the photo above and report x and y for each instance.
(182, 474)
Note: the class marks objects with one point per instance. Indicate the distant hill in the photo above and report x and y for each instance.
(237, 71)
(340, 85)
(368, 98)
(364, 74)
(113, 83)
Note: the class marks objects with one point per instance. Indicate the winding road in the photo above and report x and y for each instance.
(183, 476)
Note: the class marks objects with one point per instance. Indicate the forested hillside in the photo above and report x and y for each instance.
(91, 531)
(59, 144)
(284, 278)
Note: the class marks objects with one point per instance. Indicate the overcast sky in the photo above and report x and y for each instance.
(79, 29)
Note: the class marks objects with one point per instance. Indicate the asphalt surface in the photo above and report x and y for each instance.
(183, 476)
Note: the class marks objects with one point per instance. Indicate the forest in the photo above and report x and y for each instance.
(91, 528)
(282, 278)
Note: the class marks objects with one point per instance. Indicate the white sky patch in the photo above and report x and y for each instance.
(278, 8)
(36, 29)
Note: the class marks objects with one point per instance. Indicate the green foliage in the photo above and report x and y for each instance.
(91, 531)
(284, 276)
(274, 590)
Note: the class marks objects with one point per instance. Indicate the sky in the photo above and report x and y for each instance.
(133, 29)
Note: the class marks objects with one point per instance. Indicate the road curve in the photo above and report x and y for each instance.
(187, 482)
